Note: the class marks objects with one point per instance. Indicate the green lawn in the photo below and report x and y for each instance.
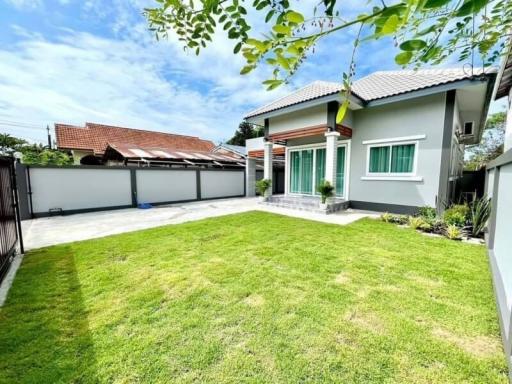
(254, 297)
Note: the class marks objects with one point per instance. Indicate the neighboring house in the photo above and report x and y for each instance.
(96, 144)
(400, 146)
(229, 149)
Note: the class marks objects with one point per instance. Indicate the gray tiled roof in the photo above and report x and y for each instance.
(378, 85)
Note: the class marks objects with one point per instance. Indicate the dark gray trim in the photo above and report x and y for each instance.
(382, 207)
(491, 79)
(494, 208)
(504, 159)
(133, 186)
(332, 111)
(444, 172)
(83, 210)
(24, 204)
(266, 130)
(198, 184)
(29, 192)
(128, 168)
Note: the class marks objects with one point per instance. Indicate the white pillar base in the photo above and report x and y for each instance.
(331, 151)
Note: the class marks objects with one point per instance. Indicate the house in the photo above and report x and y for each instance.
(96, 144)
(399, 147)
(230, 149)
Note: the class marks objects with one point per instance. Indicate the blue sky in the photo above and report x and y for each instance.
(73, 61)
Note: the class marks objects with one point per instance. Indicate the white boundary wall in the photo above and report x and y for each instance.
(156, 186)
(81, 189)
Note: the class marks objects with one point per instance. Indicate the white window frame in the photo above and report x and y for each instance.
(406, 176)
(314, 147)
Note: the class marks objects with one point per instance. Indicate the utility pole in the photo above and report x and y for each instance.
(49, 137)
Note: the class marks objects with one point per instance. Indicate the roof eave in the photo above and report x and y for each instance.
(503, 67)
(354, 100)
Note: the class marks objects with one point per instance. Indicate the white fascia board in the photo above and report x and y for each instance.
(355, 103)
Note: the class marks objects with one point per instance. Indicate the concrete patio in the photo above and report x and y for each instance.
(64, 229)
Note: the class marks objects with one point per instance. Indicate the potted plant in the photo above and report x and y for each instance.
(262, 187)
(326, 190)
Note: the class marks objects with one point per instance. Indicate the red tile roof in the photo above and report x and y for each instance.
(95, 137)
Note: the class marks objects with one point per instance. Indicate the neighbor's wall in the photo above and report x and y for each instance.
(421, 116)
(222, 184)
(79, 188)
(308, 117)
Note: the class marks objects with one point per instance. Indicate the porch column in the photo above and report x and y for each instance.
(267, 164)
(331, 151)
(250, 177)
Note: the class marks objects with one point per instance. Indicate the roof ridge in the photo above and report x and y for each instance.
(142, 130)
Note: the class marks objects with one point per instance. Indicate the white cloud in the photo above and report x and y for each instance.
(25, 4)
(80, 77)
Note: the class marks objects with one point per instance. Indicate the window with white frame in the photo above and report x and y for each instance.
(392, 159)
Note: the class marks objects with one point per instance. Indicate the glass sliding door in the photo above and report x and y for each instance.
(319, 167)
(340, 171)
(301, 168)
(307, 170)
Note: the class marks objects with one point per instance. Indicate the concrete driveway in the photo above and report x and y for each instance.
(64, 229)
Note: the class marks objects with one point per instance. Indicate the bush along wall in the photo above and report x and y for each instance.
(459, 221)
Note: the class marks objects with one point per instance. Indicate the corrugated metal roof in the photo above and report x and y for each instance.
(131, 151)
(376, 86)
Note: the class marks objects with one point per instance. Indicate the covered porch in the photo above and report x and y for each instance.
(310, 155)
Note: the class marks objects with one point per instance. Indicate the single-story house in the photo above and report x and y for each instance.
(96, 144)
(399, 147)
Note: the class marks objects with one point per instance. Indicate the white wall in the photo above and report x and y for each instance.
(508, 128)
(222, 184)
(299, 119)
(421, 116)
(79, 188)
(158, 186)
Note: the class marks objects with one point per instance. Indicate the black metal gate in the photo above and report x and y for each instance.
(10, 226)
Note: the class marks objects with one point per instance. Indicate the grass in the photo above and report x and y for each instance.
(256, 298)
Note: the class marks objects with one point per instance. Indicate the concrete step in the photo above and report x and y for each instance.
(306, 204)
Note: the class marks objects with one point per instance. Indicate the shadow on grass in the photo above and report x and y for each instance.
(44, 329)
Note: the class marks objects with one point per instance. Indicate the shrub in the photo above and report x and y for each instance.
(386, 217)
(479, 213)
(325, 189)
(262, 186)
(453, 232)
(438, 226)
(427, 213)
(456, 215)
(399, 219)
(419, 223)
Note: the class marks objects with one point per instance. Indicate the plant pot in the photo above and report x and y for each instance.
(323, 206)
(263, 199)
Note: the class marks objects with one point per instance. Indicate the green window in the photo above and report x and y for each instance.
(392, 159)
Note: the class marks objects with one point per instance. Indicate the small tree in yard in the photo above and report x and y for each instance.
(245, 131)
(326, 190)
(262, 186)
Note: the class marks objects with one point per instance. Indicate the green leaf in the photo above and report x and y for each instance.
(269, 16)
(282, 29)
(283, 62)
(342, 111)
(246, 69)
(413, 45)
(471, 7)
(237, 48)
(391, 25)
(403, 58)
(259, 45)
(294, 17)
(272, 84)
(435, 3)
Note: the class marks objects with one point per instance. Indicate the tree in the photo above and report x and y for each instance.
(32, 153)
(425, 31)
(245, 131)
(10, 145)
(491, 146)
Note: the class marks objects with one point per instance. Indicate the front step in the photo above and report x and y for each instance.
(304, 203)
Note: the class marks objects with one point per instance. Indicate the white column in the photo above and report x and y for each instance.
(250, 177)
(267, 164)
(331, 151)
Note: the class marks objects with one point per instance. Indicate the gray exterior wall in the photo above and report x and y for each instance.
(421, 116)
